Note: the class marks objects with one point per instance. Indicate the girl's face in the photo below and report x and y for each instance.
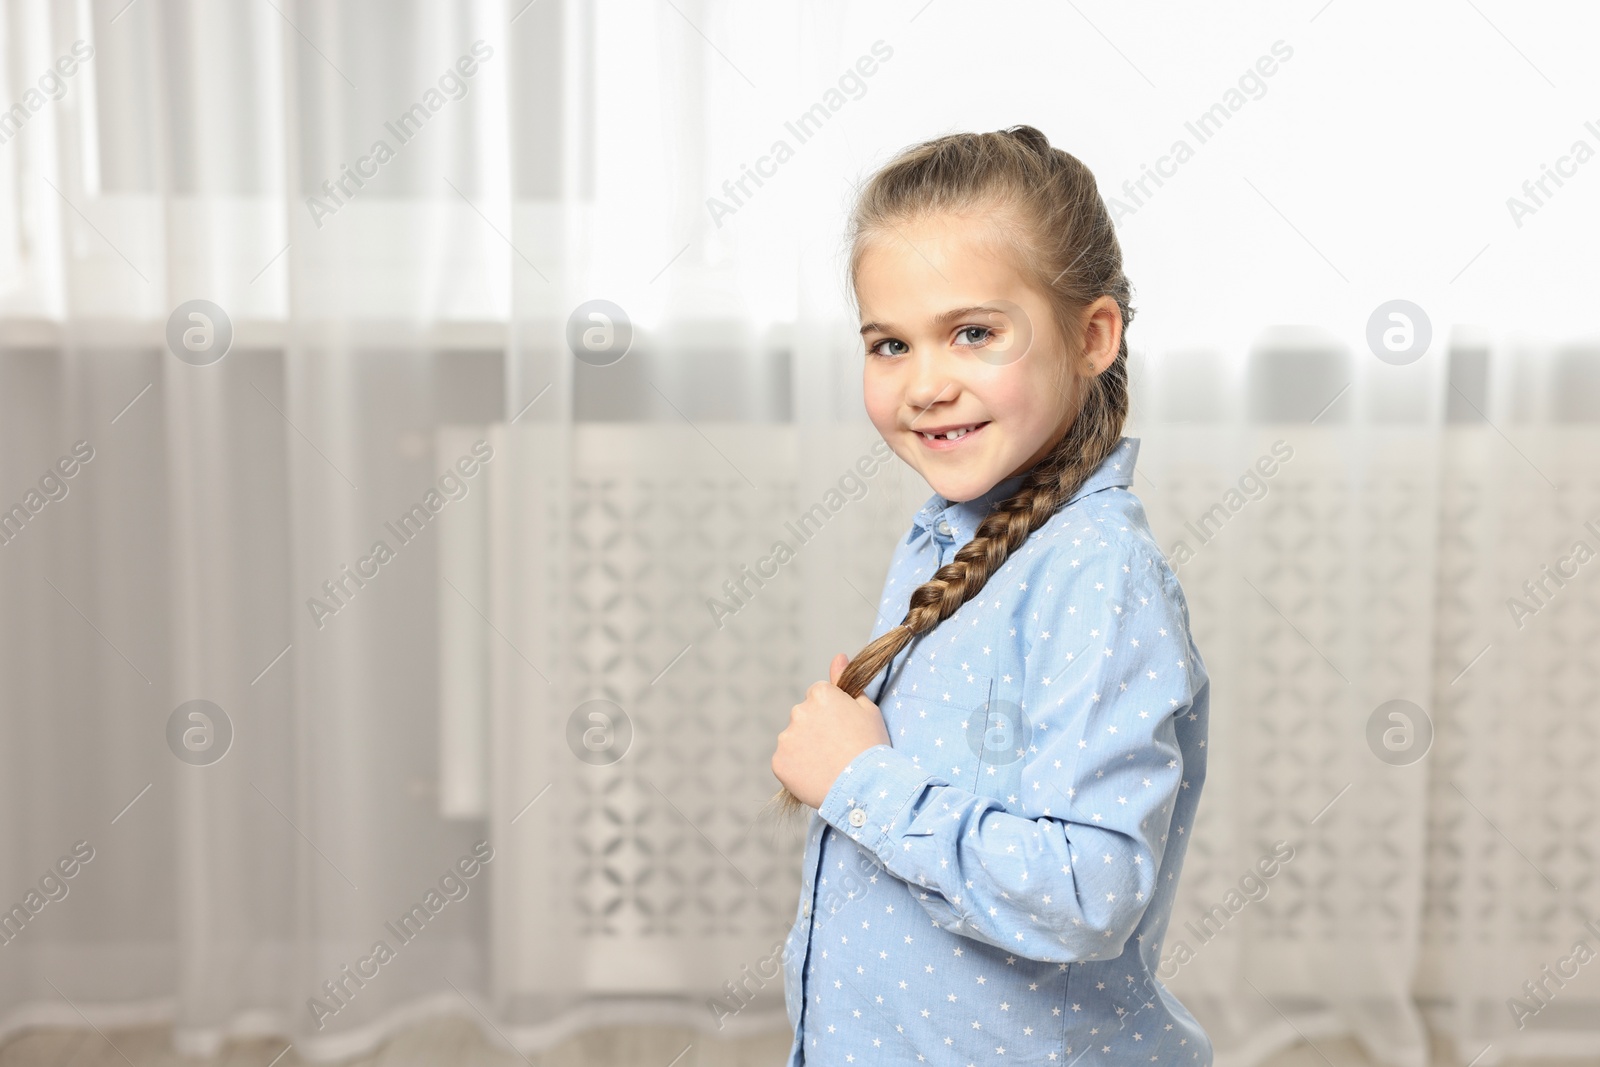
(967, 377)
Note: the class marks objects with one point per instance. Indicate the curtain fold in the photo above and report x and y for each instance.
(492, 625)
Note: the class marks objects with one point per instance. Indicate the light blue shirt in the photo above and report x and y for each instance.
(993, 886)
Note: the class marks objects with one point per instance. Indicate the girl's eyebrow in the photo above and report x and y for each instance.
(938, 320)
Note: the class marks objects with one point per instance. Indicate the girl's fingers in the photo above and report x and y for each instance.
(836, 668)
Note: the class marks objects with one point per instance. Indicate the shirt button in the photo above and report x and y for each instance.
(858, 817)
(805, 909)
(944, 528)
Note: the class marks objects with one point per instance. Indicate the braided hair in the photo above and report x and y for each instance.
(1068, 246)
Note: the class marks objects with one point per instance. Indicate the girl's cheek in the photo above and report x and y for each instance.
(881, 404)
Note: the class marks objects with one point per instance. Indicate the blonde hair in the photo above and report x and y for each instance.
(1048, 204)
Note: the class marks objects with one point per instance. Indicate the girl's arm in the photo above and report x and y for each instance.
(1107, 694)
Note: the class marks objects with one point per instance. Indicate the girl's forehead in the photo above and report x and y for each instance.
(935, 269)
(987, 232)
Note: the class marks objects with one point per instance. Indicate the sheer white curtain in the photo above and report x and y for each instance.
(542, 157)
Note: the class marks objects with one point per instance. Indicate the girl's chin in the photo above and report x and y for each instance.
(960, 488)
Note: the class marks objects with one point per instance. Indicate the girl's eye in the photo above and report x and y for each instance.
(976, 337)
(985, 331)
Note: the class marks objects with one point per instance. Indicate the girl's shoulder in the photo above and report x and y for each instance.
(1110, 522)
(1092, 569)
(1102, 540)
(1103, 519)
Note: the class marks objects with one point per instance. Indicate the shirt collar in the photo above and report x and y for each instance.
(958, 522)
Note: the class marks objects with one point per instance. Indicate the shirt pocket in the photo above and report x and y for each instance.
(940, 719)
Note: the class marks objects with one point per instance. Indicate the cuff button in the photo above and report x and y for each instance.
(858, 817)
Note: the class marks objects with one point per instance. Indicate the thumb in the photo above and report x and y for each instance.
(836, 668)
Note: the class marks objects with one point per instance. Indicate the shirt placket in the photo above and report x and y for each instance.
(807, 893)
(944, 536)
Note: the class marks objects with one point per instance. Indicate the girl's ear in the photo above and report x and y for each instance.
(1102, 335)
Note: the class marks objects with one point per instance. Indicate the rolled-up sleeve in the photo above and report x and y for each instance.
(1064, 870)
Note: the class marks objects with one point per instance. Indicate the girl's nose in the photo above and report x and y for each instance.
(930, 384)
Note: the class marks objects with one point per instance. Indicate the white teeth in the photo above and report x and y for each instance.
(950, 435)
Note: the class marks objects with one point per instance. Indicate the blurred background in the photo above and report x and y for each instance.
(387, 390)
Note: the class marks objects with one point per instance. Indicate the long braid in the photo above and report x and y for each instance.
(987, 167)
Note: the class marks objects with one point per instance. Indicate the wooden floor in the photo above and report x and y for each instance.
(459, 1043)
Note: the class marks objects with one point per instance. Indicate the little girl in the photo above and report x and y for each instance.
(1006, 780)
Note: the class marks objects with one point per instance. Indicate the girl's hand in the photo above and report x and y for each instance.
(826, 731)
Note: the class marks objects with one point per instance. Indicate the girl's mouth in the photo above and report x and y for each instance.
(948, 437)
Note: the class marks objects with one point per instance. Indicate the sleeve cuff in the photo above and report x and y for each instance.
(870, 793)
